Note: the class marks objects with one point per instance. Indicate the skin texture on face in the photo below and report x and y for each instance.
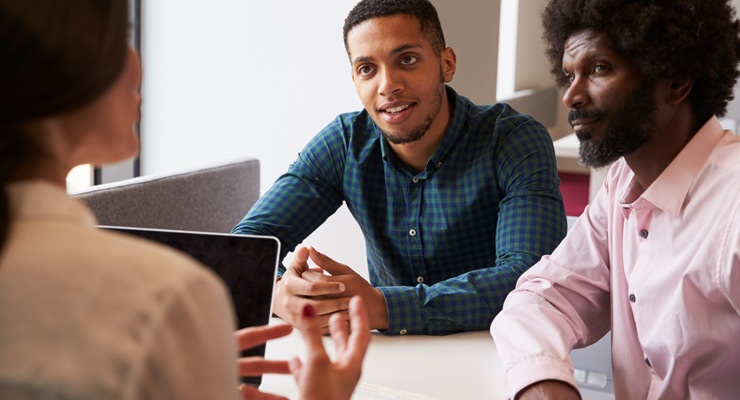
(106, 128)
(101, 132)
(612, 109)
(400, 79)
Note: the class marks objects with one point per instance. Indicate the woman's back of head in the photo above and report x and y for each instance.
(58, 55)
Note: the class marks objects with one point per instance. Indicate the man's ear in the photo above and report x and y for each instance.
(449, 63)
(679, 89)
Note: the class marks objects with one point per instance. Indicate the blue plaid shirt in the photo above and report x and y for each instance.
(445, 245)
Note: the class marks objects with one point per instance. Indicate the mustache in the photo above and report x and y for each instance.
(574, 115)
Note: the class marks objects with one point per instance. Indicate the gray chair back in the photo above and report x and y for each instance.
(210, 198)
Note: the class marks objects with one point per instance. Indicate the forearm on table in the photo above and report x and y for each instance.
(467, 302)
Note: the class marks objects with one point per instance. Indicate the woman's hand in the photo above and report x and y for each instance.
(318, 377)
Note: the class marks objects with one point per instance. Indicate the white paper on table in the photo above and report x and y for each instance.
(368, 391)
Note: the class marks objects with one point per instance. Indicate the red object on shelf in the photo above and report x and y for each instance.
(574, 188)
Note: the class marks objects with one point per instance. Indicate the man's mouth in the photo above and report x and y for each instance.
(578, 119)
(580, 123)
(396, 113)
(396, 110)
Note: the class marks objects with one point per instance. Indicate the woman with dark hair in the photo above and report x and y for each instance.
(83, 313)
(92, 314)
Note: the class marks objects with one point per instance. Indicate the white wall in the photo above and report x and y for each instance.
(225, 78)
(471, 28)
(532, 67)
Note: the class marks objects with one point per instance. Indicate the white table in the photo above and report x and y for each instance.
(459, 366)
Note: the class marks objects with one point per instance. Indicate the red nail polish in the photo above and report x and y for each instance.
(309, 311)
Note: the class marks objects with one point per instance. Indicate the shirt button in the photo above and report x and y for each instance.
(439, 164)
(403, 331)
(412, 232)
(644, 233)
(420, 279)
(647, 361)
(415, 180)
(632, 298)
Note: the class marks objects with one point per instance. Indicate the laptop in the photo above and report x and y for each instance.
(246, 263)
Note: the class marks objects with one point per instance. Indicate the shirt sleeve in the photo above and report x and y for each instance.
(531, 223)
(728, 276)
(559, 304)
(304, 197)
(192, 351)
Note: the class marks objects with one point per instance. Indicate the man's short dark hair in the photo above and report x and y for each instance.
(422, 10)
(664, 39)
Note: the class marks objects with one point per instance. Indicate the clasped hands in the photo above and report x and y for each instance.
(327, 287)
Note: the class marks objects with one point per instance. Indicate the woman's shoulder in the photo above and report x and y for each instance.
(104, 263)
(106, 298)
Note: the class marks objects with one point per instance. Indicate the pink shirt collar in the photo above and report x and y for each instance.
(669, 191)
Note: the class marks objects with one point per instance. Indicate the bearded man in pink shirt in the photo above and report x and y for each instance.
(655, 258)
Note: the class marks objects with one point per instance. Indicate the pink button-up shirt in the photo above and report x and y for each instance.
(660, 267)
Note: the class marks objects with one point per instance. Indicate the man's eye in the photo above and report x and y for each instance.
(598, 68)
(364, 70)
(407, 60)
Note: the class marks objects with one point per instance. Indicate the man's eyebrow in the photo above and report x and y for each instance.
(592, 56)
(361, 59)
(397, 50)
(405, 47)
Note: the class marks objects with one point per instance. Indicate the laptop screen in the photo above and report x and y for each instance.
(246, 263)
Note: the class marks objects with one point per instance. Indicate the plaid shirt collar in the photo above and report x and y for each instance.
(454, 130)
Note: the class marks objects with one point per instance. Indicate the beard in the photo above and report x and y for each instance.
(418, 132)
(627, 130)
